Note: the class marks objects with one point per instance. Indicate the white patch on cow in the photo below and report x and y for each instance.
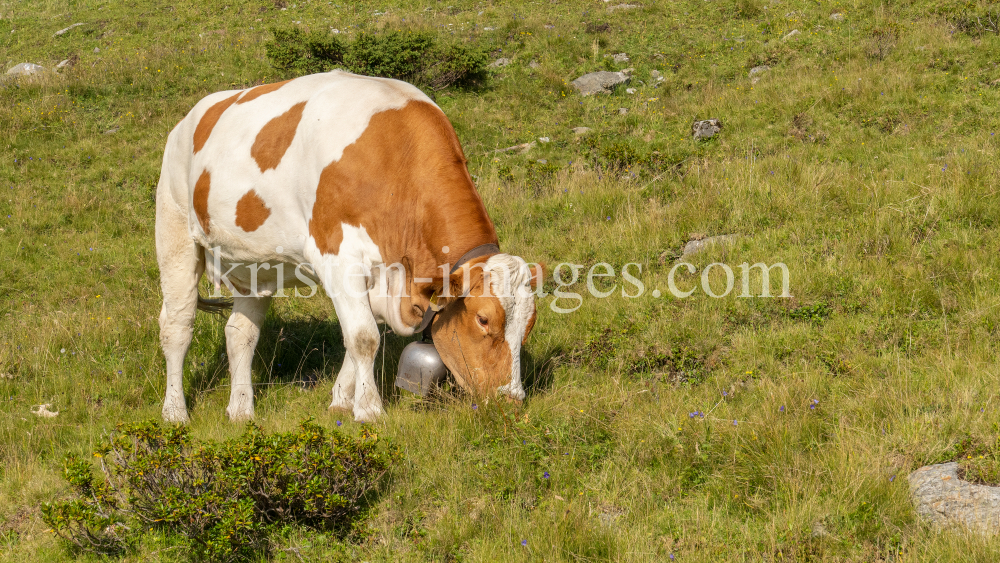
(510, 282)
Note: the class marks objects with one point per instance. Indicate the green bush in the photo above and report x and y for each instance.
(223, 499)
(297, 52)
(414, 57)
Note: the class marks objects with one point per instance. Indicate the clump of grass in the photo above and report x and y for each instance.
(415, 57)
(225, 498)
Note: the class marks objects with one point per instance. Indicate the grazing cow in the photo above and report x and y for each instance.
(358, 185)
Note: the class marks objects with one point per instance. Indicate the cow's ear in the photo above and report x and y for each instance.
(465, 279)
(537, 276)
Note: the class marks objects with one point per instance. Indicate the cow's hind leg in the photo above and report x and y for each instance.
(181, 262)
(242, 333)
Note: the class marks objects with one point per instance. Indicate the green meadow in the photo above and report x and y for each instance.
(655, 428)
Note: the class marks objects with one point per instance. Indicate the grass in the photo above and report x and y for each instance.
(864, 160)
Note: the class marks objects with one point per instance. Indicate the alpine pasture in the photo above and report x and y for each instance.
(655, 428)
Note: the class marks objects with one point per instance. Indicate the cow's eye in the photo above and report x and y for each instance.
(483, 322)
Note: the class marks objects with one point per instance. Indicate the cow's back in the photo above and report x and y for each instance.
(251, 160)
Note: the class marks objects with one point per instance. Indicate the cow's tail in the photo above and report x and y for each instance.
(214, 306)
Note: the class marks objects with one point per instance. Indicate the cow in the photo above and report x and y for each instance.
(351, 183)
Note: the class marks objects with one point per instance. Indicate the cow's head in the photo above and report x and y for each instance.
(479, 332)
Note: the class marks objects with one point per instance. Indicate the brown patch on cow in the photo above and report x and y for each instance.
(274, 138)
(256, 92)
(251, 212)
(208, 121)
(201, 188)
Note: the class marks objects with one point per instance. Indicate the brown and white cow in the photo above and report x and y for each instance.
(353, 183)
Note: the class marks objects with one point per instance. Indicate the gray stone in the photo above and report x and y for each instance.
(599, 82)
(68, 63)
(25, 69)
(522, 148)
(65, 29)
(500, 63)
(622, 111)
(943, 499)
(112, 131)
(756, 71)
(655, 75)
(696, 246)
(581, 130)
(543, 140)
(630, 90)
(620, 58)
(97, 49)
(542, 161)
(618, 7)
(534, 65)
(705, 129)
(790, 34)
(838, 17)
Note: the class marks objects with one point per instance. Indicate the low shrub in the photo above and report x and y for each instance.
(223, 499)
(416, 57)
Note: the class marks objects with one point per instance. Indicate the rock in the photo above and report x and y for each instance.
(655, 75)
(97, 49)
(838, 17)
(757, 70)
(581, 130)
(534, 65)
(542, 161)
(599, 82)
(630, 90)
(500, 63)
(619, 57)
(543, 140)
(112, 131)
(696, 246)
(488, 28)
(521, 149)
(68, 63)
(44, 412)
(791, 34)
(705, 129)
(65, 29)
(622, 111)
(25, 69)
(617, 7)
(819, 530)
(943, 499)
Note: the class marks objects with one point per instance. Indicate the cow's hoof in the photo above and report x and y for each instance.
(175, 415)
(239, 414)
(367, 414)
(340, 404)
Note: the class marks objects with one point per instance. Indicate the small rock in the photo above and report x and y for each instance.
(791, 34)
(68, 63)
(500, 63)
(65, 29)
(488, 29)
(655, 75)
(25, 69)
(581, 130)
(112, 131)
(819, 530)
(630, 90)
(549, 26)
(97, 49)
(622, 111)
(522, 148)
(943, 499)
(542, 161)
(543, 140)
(44, 412)
(705, 129)
(334, 30)
(696, 246)
(617, 7)
(599, 82)
(838, 17)
(534, 65)
(757, 70)
(620, 58)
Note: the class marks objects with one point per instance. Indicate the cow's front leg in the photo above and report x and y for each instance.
(343, 388)
(242, 333)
